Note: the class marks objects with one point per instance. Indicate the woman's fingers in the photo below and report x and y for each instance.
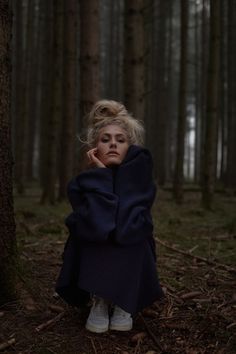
(92, 158)
(91, 153)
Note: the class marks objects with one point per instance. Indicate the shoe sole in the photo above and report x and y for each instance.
(121, 328)
(95, 329)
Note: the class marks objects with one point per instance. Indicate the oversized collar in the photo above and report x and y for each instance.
(136, 152)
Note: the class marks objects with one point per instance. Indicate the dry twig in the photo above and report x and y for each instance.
(190, 295)
(93, 345)
(7, 344)
(50, 322)
(55, 308)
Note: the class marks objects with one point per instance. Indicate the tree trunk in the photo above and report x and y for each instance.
(48, 123)
(197, 89)
(120, 52)
(21, 127)
(39, 108)
(26, 121)
(222, 88)
(105, 23)
(159, 94)
(148, 62)
(209, 168)
(16, 76)
(46, 88)
(8, 250)
(134, 76)
(203, 80)
(231, 99)
(115, 46)
(56, 105)
(178, 178)
(31, 83)
(169, 94)
(68, 127)
(89, 56)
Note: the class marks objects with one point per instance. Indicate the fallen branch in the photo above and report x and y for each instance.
(93, 345)
(231, 325)
(50, 322)
(193, 248)
(55, 308)
(191, 295)
(199, 258)
(7, 344)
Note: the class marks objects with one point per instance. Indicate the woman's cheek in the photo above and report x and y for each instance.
(101, 156)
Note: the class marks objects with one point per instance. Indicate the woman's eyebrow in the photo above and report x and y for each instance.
(107, 134)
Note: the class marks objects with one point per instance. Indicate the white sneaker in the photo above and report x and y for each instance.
(121, 320)
(98, 319)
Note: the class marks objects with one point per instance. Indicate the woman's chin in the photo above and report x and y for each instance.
(113, 162)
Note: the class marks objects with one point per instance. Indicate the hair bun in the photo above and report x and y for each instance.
(105, 109)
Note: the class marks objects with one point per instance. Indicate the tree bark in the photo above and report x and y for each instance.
(209, 168)
(231, 98)
(203, 80)
(8, 250)
(48, 135)
(46, 88)
(68, 126)
(115, 46)
(178, 178)
(160, 93)
(19, 86)
(89, 57)
(222, 87)
(197, 89)
(55, 106)
(134, 76)
(27, 122)
(16, 73)
(169, 94)
(33, 48)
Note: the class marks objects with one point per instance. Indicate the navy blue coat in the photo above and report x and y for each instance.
(110, 250)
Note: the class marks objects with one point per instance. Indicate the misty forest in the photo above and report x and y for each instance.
(172, 64)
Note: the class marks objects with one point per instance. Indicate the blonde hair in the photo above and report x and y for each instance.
(107, 112)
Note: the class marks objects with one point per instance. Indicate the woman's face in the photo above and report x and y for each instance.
(112, 145)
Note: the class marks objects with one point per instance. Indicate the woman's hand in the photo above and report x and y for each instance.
(93, 159)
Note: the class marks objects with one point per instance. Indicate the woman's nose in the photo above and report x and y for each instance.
(113, 143)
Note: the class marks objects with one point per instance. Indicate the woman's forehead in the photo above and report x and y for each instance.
(112, 129)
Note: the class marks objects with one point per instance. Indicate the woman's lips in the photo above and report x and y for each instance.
(113, 153)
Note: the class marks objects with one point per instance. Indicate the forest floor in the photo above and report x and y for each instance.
(198, 315)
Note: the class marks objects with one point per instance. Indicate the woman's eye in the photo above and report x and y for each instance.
(104, 140)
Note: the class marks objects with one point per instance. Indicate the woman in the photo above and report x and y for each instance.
(110, 252)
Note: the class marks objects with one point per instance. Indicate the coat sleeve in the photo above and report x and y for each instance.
(94, 205)
(136, 191)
